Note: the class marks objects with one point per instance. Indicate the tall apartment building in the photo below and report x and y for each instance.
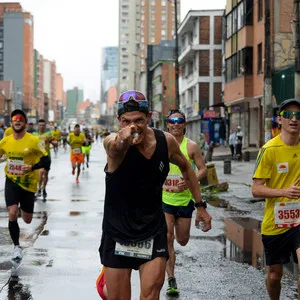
(39, 83)
(59, 97)
(200, 38)
(245, 59)
(142, 23)
(109, 71)
(16, 52)
(74, 97)
(50, 87)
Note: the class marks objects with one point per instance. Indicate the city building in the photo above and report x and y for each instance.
(245, 59)
(39, 83)
(142, 23)
(50, 87)
(6, 101)
(200, 58)
(161, 80)
(74, 97)
(109, 70)
(16, 53)
(59, 98)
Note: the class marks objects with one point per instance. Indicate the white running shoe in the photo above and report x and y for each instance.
(17, 254)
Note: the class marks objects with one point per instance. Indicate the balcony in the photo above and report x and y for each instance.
(188, 53)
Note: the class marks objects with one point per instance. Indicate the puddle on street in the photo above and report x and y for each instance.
(78, 200)
(243, 243)
(16, 290)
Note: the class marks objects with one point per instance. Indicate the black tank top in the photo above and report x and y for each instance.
(133, 199)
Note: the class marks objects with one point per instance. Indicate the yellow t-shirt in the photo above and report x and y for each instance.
(27, 150)
(45, 139)
(56, 134)
(8, 131)
(76, 141)
(280, 165)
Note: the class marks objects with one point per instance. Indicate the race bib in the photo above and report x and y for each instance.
(135, 249)
(76, 151)
(171, 183)
(287, 214)
(14, 166)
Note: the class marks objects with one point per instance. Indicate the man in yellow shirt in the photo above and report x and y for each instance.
(57, 135)
(76, 140)
(276, 178)
(24, 155)
(46, 138)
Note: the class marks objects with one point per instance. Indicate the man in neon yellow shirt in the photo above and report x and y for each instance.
(46, 138)
(76, 140)
(25, 155)
(276, 178)
(178, 202)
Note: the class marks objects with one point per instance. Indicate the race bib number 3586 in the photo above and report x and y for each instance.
(287, 214)
(135, 249)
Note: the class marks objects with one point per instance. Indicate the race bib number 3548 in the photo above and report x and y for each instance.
(135, 249)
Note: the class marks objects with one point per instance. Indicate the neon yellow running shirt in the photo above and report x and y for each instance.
(170, 196)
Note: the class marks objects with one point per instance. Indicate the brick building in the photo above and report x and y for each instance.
(200, 38)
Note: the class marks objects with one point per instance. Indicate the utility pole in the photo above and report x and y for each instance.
(176, 57)
(297, 48)
(267, 93)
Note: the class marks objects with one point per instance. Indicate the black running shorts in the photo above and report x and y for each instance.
(278, 248)
(109, 259)
(14, 195)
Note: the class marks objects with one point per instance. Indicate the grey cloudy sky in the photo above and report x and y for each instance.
(72, 33)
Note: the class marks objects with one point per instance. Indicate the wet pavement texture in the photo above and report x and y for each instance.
(61, 258)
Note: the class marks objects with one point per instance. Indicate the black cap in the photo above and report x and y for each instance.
(19, 112)
(287, 102)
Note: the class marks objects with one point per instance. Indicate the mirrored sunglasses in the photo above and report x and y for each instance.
(132, 95)
(288, 114)
(20, 118)
(176, 120)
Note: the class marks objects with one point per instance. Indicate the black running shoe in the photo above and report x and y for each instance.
(44, 194)
(39, 193)
(172, 287)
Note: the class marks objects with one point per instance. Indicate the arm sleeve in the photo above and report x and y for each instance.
(43, 163)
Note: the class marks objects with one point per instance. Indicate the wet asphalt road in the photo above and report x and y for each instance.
(61, 244)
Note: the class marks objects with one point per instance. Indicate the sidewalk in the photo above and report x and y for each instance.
(222, 152)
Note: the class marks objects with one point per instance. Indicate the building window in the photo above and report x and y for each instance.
(1, 67)
(239, 63)
(1, 56)
(1, 77)
(163, 3)
(259, 58)
(260, 10)
(152, 39)
(1, 33)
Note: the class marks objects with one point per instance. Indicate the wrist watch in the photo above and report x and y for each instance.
(201, 204)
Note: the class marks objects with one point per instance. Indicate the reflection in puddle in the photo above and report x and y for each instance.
(75, 213)
(243, 243)
(78, 200)
(45, 232)
(16, 290)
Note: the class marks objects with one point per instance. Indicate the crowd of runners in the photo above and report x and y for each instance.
(152, 190)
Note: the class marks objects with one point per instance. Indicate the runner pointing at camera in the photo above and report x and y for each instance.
(134, 226)
(276, 178)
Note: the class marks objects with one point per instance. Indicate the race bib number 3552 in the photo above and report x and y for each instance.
(135, 249)
(287, 214)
